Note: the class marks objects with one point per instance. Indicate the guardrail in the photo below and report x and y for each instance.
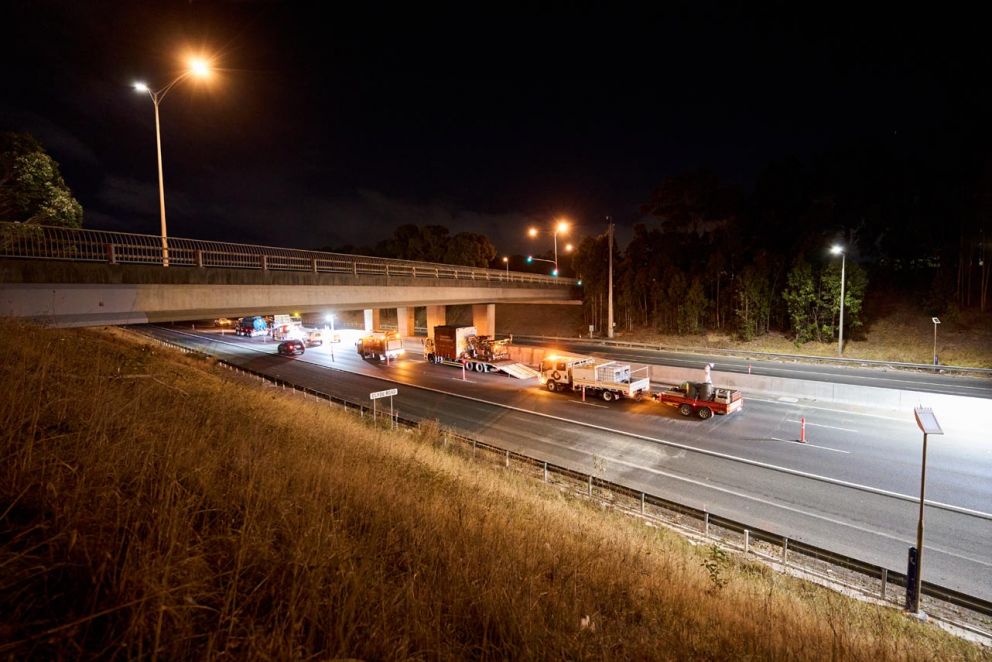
(19, 240)
(867, 578)
(987, 372)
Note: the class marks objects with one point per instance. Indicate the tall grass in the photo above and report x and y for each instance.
(151, 507)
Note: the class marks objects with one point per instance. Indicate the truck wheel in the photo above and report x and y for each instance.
(685, 410)
(431, 358)
(608, 395)
(480, 367)
(552, 386)
(704, 413)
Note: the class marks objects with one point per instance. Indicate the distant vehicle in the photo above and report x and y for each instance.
(702, 399)
(287, 327)
(251, 326)
(380, 345)
(291, 348)
(609, 380)
(223, 321)
(314, 338)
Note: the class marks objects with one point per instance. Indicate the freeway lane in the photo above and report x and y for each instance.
(870, 526)
(976, 387)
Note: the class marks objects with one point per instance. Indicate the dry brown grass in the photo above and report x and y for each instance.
(150, 507)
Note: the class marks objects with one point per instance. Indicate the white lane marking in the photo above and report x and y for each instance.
(457, 379)
(785, 399)
(773, 504)
(702, 451)
(587, 404)
(821, 425)
(809, 445)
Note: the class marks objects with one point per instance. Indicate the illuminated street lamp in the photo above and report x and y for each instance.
(329, 317)
(561, 227)
(198, 68)
(935, 323)
(837, 249)
(506, 261)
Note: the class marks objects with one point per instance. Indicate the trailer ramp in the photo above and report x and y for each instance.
(519, 370)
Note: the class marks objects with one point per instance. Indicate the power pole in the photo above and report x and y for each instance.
(609, 308)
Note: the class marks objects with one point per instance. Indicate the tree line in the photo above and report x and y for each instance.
(710, 256)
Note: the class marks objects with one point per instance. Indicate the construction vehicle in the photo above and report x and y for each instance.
(701, 399)
(251, 326)
(609, 380)
(462, 346)
(382, 345)
(287, 327)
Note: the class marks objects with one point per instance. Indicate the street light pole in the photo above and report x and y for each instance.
(609, 307)
(935, 323)
(843, 261)
(199, 68)
(161, 183)
(506, 261)
(927, 422)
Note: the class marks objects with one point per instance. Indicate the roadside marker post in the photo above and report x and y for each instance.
(802, 430)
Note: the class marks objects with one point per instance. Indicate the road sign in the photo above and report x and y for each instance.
(383, 394)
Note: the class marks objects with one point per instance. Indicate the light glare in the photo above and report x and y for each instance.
(140, 87)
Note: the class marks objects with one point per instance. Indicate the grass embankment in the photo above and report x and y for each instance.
(151, 506)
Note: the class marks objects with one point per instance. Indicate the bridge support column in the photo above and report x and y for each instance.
(484, 319)
(404, 322)
(436, 316)
(372, 319)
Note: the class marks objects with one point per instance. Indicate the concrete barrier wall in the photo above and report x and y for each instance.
(971, 411)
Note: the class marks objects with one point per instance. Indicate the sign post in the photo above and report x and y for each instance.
(388, 393)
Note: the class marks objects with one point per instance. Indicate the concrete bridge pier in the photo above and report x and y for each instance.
(372, 322)
(484, 318)
(436, 316)
(405, 321)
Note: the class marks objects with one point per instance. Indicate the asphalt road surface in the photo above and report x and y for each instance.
(893, 378)
(853, 488)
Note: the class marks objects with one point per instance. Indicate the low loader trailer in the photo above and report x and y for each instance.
(463, 347)
(609, 380)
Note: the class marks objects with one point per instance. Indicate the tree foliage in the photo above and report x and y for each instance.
(434, 243)
(31, 186)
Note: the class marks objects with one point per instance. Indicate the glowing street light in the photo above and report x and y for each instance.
(837, 249)
(927, 422)
(506, 261)
(560, 227)
(199, 68)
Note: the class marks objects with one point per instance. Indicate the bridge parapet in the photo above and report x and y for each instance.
(25, 241)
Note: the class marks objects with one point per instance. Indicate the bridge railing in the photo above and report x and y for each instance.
(19, 240)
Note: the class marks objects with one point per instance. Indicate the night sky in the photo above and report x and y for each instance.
(326, 128)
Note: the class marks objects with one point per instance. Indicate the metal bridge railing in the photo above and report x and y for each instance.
(20, 240)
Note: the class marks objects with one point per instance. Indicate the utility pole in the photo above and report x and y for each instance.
(609, 308)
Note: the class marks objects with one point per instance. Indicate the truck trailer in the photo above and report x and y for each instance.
(609, 380)
(251, 326)
(701, 399)
(462, 346)
(382, 345)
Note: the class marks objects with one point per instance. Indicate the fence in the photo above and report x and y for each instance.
(53, 243)
(985, 372)
(866, 578)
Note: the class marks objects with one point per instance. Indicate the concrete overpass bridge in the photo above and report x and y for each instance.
(91, 278)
